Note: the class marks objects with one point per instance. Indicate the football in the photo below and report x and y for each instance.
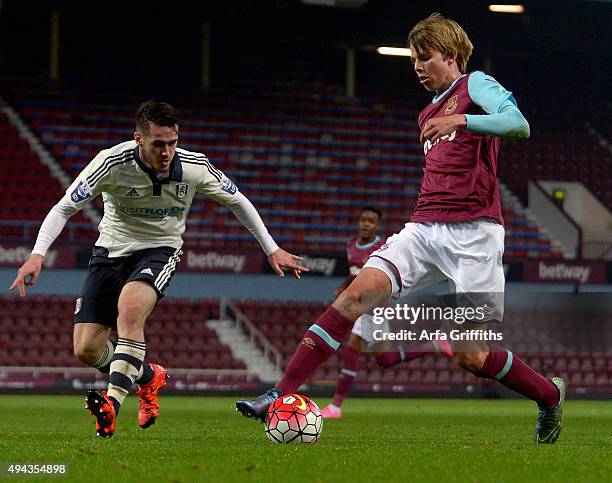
(294, 418)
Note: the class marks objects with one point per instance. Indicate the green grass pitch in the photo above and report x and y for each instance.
(203, 439)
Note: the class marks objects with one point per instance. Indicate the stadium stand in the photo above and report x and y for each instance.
(568, 157)
(28, 190)
(306, 158)
(177, 337)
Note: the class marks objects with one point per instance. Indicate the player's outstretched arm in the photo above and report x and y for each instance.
(280, 259)
(247, 214)
(28, 273)
(51, 227)
(76, 197)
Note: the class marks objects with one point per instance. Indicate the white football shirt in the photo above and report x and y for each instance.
(141, 211)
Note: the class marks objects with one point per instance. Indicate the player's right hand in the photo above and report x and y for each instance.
(28, 274)
(281, 259)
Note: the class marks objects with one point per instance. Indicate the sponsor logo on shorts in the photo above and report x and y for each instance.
(133, 193)
(487, 310)
(181, 190)
(147, 271)
(309, 342)
(451, 105)
(81, 192)
(229, 187)
(77, 306)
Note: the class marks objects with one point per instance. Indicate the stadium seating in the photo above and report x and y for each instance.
(178, 338)
(176, 335)
(307, 159)
(562, 157)
(28, 189)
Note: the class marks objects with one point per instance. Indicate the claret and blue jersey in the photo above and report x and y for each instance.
(460, 173)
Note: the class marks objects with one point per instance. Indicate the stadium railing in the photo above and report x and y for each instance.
(256, 337)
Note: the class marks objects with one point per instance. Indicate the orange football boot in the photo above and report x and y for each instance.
(102, 408)
(148, 406)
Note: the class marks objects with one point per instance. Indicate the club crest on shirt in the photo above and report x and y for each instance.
(77, 306)
(181, 190)
(451, 105)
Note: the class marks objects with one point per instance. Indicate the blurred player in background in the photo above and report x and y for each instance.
(358, 250)
(456, 232)
(147, 186)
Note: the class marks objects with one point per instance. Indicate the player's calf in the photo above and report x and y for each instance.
(86, 355)
(125, 369)
(92, 346)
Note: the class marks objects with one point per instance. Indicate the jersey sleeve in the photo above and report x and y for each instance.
(216, 185)
(488, 93)
(503, 118)
(93, 180)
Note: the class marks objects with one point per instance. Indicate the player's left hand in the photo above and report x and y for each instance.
(441, 126)
(280, 259)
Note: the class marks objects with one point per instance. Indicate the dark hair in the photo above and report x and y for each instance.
(158, 112)
(373, 210)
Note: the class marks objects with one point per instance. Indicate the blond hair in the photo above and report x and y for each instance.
(437, 32)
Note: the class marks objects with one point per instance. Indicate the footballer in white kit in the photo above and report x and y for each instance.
(147, 185)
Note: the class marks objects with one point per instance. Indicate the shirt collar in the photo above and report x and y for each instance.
(367, 245)
(438, 97)
(176, 168)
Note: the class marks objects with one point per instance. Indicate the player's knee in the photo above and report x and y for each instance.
(87, 354)
(470, 361)
(130, 315)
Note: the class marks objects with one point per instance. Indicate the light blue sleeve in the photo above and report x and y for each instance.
(503, 118)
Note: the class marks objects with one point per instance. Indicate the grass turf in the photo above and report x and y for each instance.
(378, 439)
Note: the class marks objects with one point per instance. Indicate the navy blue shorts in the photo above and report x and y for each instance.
(107, 276)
